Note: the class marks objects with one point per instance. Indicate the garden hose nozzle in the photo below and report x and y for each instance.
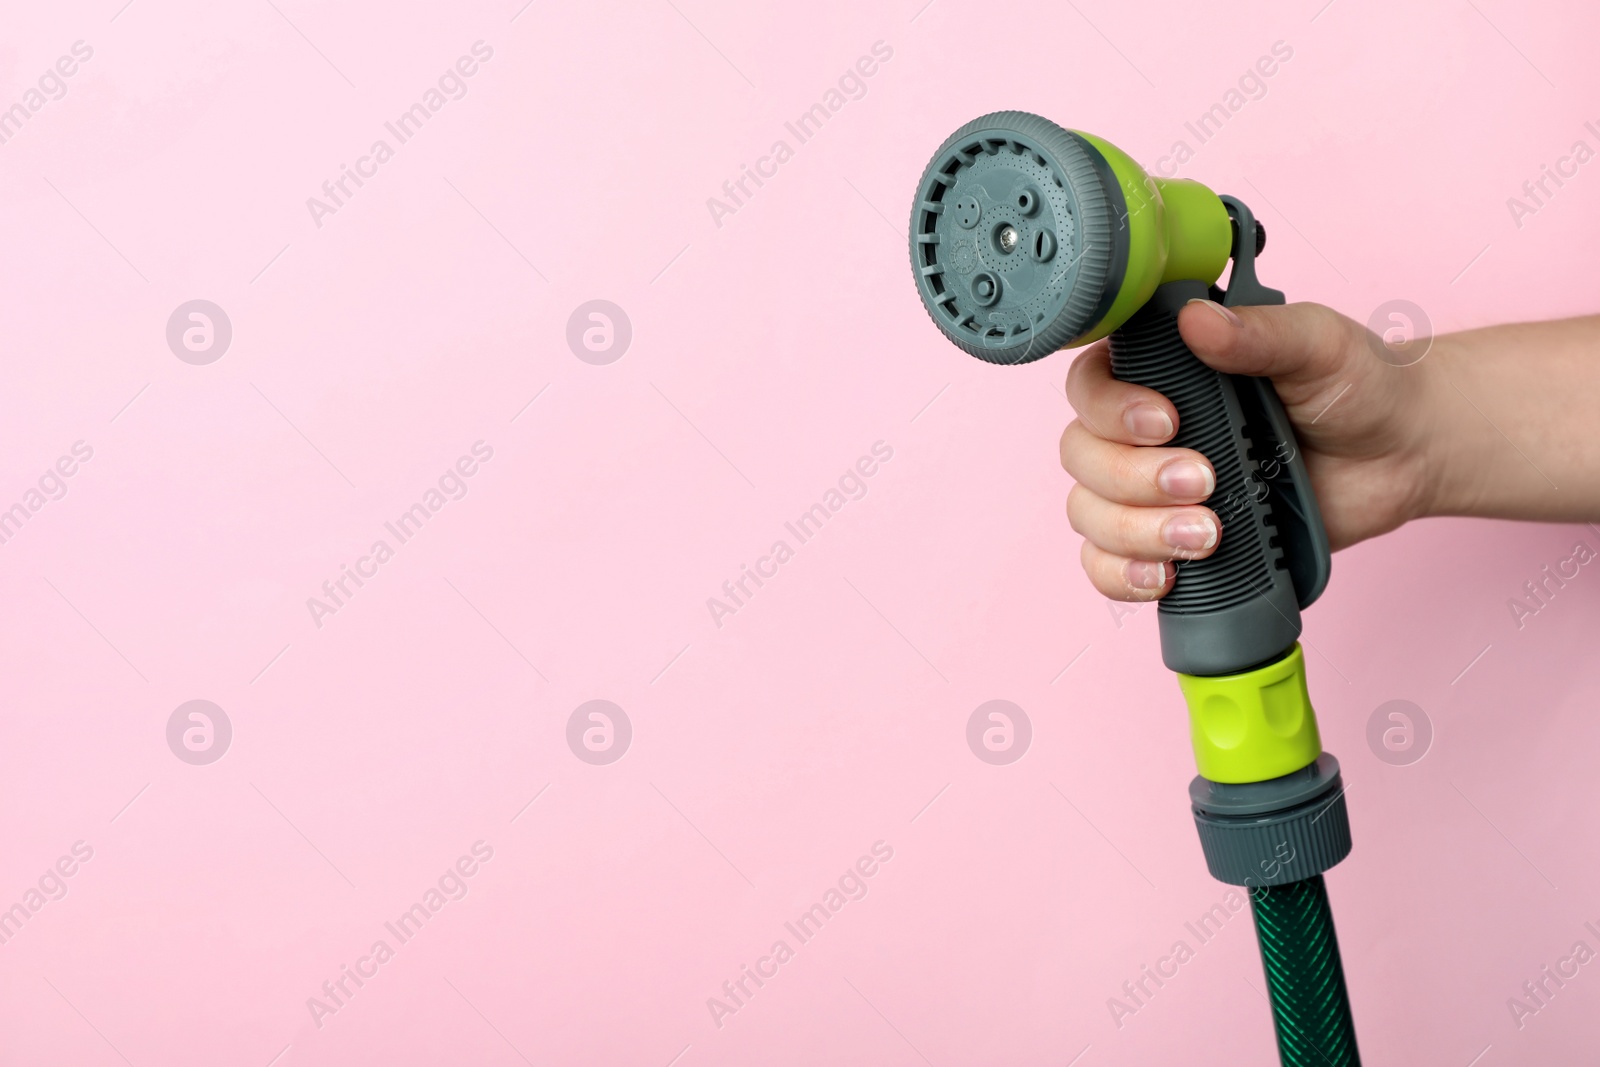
(1027, 238)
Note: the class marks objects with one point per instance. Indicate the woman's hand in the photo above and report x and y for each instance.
(1362, 423)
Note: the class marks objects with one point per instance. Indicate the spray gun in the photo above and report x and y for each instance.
(1027, 238)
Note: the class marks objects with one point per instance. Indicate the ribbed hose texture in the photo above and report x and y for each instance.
(1305, 980)
(1148, 351)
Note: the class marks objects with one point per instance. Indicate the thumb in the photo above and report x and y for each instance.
(1299, 346)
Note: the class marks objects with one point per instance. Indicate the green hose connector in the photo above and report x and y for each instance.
(1300, 954)
(1255, 725)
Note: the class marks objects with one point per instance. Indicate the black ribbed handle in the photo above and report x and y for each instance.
(1235, 609)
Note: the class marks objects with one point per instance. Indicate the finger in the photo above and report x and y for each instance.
(1117, 411)
(1292, 344)
(1120, 578)
(1132, 474)
(1143, 533)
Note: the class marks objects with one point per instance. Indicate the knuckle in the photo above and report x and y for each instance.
(1331, 332)
(1075, 508)
(1071, 446)
(1074, 386)
(1109, 582)
(1086, 372)
(1131, 526)
(1127, 475)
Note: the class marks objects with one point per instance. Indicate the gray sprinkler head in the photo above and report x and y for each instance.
(1018, 237)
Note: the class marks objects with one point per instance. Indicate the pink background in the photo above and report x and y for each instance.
(768, 354)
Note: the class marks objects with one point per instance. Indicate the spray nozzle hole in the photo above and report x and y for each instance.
(1044, 246)
(985, 288)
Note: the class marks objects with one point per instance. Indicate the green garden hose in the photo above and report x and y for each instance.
(1305, 981)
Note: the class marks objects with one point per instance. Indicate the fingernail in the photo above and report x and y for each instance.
(1143, 575)
(1186, 479)
(1192, 532)
(1226, 314)
(1147, 421)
